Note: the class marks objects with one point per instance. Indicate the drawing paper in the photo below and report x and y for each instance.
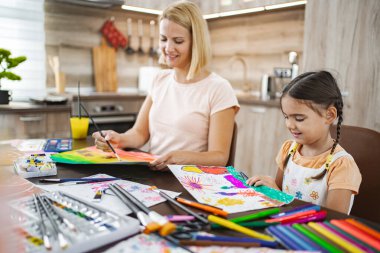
(109, 201)
(92, 155)
(217, 187)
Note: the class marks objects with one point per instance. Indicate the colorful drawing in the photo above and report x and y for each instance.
(205, 169)
(193, 183)
(223, 190)
(92, 155)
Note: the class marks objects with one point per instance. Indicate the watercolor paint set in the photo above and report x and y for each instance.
(59, 222)
(35, 165)
(58, 145)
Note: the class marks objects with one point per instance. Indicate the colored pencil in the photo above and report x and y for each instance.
(292, 216)
(349, 228)
(250, 224)
(305, 242)
(338, 232)
(207, 208)
(255, 216)
(319, 216)
(219, 243)
(263, 243)
(236, 227)
(184, 208)
(364, 228)
(335, 238)
(285, 241)
(316, 239)
(292, 211)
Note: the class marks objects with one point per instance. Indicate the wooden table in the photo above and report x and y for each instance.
(163, 180)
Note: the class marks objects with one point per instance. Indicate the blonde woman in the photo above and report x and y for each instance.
(189, 113)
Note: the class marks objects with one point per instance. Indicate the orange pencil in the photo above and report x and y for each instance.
(364, 228)
(206, 208)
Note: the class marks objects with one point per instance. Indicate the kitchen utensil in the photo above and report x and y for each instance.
(104, 62)
(129, 49)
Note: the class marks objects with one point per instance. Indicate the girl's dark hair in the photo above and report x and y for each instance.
(317, 88)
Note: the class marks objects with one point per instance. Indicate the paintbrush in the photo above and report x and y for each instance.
(43, 228)
(101, 134)
(61, 239)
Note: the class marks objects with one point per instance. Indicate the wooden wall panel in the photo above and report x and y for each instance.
(263, 40)
(344, 37)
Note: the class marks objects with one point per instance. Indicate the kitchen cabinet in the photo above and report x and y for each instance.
(261, 132)
(34, 122)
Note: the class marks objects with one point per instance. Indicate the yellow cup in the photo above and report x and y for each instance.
(79, 127)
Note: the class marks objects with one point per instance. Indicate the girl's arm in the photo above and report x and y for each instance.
(135, 137)
(219, 142)
(339, 200)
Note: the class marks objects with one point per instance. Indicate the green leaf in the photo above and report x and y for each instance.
(13, 62)
(9, 75)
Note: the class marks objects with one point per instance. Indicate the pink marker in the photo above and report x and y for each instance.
(179, 218)
(319, 216)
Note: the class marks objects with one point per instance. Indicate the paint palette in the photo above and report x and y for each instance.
(83, 226)
(58, 145)
(35, 165)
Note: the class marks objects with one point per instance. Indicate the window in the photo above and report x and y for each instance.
(22, 32)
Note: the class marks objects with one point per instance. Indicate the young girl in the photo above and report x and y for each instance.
(314, 167)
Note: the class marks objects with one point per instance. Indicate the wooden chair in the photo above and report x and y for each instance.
(364, 145)
(231, 159)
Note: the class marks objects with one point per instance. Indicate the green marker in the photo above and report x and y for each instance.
(316, 239)
(256, 216)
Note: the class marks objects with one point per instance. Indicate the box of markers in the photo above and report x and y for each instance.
(35, 165)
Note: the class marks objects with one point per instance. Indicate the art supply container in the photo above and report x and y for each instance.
(79, 127)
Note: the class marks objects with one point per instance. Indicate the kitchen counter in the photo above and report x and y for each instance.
(255, 100)
(28, 107)
(109, 96)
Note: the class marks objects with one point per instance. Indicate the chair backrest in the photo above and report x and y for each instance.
(364, 145)
(231, 158)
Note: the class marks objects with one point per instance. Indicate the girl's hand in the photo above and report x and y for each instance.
(263, 180)
(109, 135)
(174, 157)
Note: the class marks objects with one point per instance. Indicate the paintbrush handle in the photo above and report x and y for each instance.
(98, 129)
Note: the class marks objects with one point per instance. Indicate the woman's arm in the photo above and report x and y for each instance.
(219, 143)
(135, 137)
(339, 200)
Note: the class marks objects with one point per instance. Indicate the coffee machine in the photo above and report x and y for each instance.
(272, 85)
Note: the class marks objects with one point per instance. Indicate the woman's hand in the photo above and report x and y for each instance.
(263, 180)
(109, 135)
(174, 157)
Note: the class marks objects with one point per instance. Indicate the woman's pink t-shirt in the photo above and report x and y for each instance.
(179, 118)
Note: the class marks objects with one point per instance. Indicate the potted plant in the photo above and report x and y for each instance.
(6, 63)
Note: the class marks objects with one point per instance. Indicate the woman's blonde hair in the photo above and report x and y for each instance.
(189, 16)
